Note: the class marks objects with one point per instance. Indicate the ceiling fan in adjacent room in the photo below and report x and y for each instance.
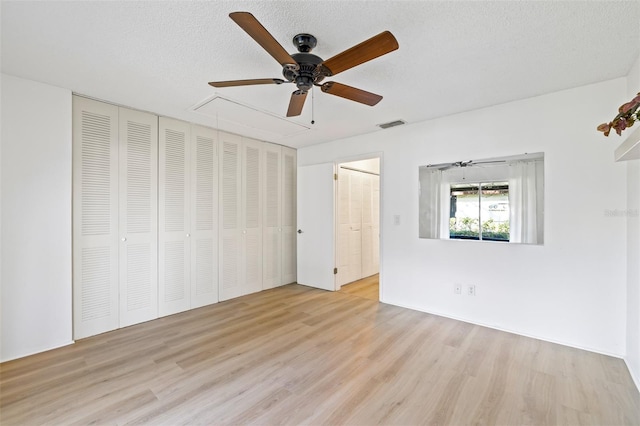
(470, 163)
(306, 69)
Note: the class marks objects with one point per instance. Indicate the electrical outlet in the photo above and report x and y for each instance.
(471, 290)
(457, 288)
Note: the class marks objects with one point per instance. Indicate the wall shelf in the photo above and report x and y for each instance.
(629, 149)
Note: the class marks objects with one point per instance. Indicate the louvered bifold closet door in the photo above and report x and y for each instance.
(289, 172)
(367, 225)
(173, 218)
(230, 187)
(95, 217)
(272, 217)
(344, 226)
(355, 227)
(251, 216)
(375, 211)
(138, 218)
(204, 216)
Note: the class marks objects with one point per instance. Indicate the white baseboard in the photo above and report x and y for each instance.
(633, 374)
(506, 330)
(34, 352)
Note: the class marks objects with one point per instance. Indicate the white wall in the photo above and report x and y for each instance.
(633, 245)
(571, 290)
(36, 218)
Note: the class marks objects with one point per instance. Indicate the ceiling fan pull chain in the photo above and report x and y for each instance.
(312, 106)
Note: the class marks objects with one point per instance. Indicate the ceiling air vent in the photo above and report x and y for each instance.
(391, 124)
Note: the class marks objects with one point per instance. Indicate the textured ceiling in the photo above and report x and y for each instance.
(454, 56)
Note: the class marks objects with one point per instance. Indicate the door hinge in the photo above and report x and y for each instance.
(335, 271)
(335, 176)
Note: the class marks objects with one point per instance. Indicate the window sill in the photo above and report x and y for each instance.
(629, 149)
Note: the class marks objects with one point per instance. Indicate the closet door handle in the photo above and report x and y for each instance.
(300, 231)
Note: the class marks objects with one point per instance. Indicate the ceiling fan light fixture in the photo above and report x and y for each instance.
(304, 83)
(392, 124)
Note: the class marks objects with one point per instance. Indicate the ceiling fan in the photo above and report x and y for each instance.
(306, 69)
(470, 163)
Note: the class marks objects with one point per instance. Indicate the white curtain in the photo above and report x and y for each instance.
(523, 206)
(434, 205)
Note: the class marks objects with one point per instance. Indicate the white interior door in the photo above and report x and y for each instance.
(316, 236)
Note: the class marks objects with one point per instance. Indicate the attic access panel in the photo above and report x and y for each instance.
(223, 109)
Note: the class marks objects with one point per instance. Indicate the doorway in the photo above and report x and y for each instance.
(358, 223)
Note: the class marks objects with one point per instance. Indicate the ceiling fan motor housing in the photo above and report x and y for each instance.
(309, 69)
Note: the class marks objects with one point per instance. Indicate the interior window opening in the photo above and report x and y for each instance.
(494, 199)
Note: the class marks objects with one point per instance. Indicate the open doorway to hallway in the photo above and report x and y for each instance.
(358, 223)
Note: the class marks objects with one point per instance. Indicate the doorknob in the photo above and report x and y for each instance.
(300, 231)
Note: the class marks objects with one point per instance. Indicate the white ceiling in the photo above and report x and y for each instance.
(453, 57)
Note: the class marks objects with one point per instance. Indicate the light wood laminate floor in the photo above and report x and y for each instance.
(296, 355)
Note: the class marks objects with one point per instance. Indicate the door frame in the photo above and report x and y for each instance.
(368, 156)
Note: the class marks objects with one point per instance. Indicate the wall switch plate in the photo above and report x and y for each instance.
(471, 290)
(396, 219)
(457, 288)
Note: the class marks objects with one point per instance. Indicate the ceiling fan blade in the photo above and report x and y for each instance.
(370, 49)
(250, 24)
(232, 83)
(296, 103)
(437, 166)
(351, 93)
(487, 162)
